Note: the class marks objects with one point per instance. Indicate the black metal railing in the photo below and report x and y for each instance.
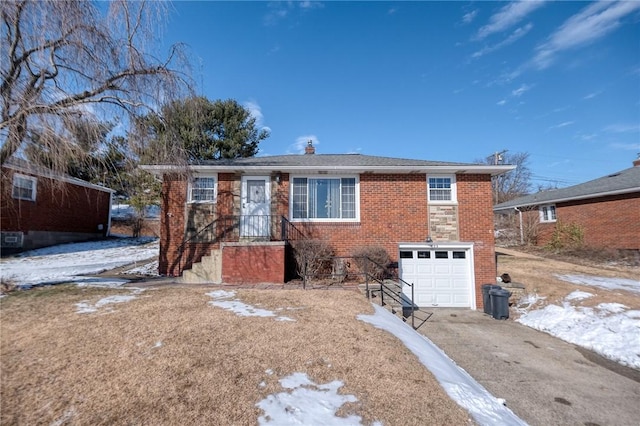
(289, 232)
(234, 228)
(379, 282)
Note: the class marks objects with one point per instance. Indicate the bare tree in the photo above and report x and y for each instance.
(67, 60)
(514, 183)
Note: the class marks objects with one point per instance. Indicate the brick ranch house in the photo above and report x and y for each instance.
(607, 209)
(40, 208)
(237, 213)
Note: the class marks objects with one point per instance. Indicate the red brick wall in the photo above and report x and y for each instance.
(253, 264)
(475, 213)
(59, 207)
(393, 209)
(172, 225)
(608, 222)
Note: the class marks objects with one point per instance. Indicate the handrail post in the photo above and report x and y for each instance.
(366, 281)
(413, 315)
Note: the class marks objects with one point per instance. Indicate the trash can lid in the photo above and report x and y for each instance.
(499, 292)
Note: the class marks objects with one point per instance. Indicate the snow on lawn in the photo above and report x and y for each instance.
(69, 262)
(602, 282)
(609, 329)
(307, 403)
(223, 299)
(125, 211)
(85, 307)
(459, 385)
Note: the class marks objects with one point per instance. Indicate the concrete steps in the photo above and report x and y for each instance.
(208, 270)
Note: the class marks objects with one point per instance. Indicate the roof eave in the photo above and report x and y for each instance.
(565, 199)
(460, 169)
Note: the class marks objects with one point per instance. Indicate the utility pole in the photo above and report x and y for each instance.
(497, 158)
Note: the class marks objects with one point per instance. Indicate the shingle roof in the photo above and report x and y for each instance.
(24, 166)
(315, 160)
(335, 162)
(622, 182)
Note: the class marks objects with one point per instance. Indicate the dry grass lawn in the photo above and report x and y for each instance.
(169, 357)
(538, 275)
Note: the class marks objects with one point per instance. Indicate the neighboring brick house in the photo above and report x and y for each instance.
(40, 208)
(607, 210)
(238, 212)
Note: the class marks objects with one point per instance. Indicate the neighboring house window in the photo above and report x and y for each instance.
(442, 189)
(324, 198)
(24, 187)
(548, 213)
(203, 190)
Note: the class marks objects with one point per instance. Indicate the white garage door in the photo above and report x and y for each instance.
(441, 276)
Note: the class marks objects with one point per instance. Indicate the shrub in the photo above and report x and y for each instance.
(569, 235)
(313, 257)
(373, 260)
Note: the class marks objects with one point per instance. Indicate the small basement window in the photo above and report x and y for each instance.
(548, 213)
(24, 187)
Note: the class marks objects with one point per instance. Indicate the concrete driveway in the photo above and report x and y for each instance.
(544, 380)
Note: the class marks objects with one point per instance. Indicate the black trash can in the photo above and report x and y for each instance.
(499, 303)
(486, 297)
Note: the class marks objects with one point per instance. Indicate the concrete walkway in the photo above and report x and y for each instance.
(544, 380)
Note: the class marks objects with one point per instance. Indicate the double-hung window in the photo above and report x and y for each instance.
(322, 198)
(548, 213)
(203, 190)
(442, 189)
(24, 187)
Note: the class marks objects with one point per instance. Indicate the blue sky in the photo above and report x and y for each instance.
(449, 81)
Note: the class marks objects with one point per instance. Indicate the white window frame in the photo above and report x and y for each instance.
(545, 213)
(34, 185)
(190, 199)
(355, 219)
(454, 194)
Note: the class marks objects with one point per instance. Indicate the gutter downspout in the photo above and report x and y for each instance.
(109, 219)
(521, 231)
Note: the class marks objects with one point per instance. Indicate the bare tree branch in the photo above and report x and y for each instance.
(69, 59)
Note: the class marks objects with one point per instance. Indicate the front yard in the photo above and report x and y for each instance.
(171, 355)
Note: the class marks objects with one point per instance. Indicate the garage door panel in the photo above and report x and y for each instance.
(442, 279)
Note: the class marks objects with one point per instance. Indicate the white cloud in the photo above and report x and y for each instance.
(256, 112)
(623, 128)
(502, 102)
(516, 35)
(626, 146)
(520, 90)
(301, 142)
(592, 23)
(308, 4)
(591, 95)
(563, 124)
(507, 17)
(392, 11)
(469, 17)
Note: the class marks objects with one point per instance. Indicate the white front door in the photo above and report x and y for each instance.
(256, 207)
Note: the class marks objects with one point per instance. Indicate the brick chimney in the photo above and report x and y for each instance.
(309, 149)
(636, 162)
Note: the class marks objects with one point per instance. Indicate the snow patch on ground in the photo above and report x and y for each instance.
(609, 329)
(70, 263)
(149, 269)
(459, 385)
(307, 403)
(126, 211)
(603, 282)
(579, 295)
(85, 307)
(224, 299)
